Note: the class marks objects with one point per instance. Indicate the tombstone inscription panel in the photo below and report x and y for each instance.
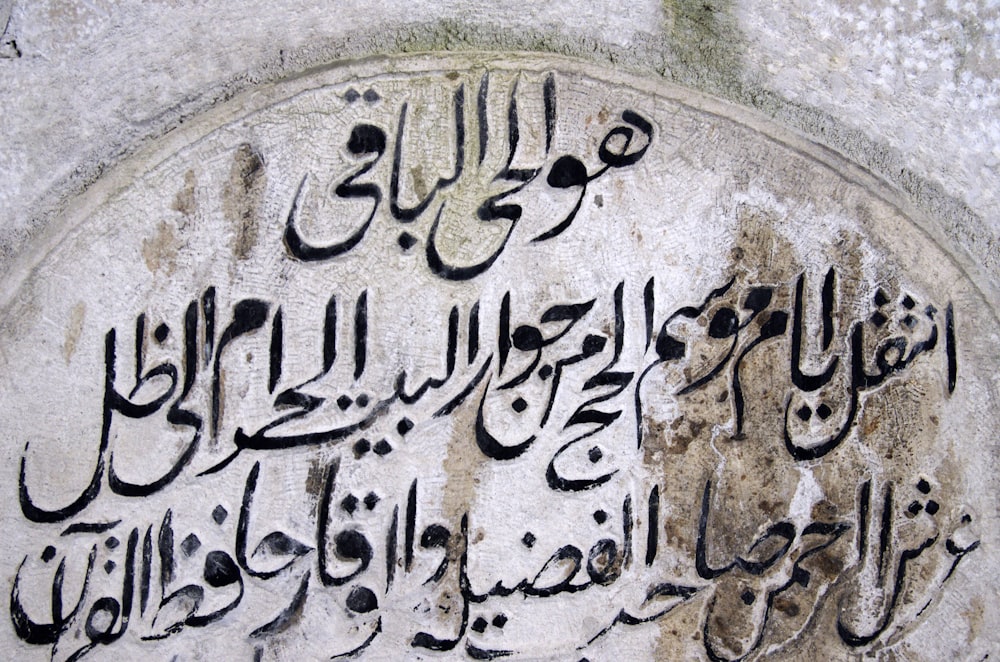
(487, 358)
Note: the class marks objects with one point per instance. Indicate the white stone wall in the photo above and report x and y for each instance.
(909, 90)
(154, 157)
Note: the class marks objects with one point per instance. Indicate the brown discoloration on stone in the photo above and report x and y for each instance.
(974, 616)
(460, 465)
(160, 251)
(677, 533)
(824, 511)
(683, 432)
(184, 201)
(242, 198)
(315, 481)
(828, 563)
(755, 480)
(771, 508)
(73, 328)
(462, 461)
(419, 185)
(756, 491)
(684, 624)
(655, 439)
(752, 492)
(213, 442)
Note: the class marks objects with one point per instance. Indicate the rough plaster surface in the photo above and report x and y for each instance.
(133, 98)
(907, 90)
(344, 384)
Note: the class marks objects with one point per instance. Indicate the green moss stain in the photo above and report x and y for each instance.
(703, 44)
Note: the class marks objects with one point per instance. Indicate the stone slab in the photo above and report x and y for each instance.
(496, 357)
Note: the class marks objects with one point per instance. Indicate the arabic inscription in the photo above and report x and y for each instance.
(493, 360)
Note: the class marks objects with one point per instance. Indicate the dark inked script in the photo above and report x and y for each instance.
(491, 363)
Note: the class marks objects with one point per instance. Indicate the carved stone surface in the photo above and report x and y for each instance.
(496, 357)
